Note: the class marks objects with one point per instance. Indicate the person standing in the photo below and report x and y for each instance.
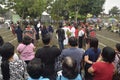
(81, 34)
(37, 37)
(104, 70)
(73, 51)
(67, 34)
(44, 31)
(12, 69)
(117, 51)
(48, 55)
(50, 30)
(19, 33)
(26, 49)
(76, 31)
(35, 70)
(12, 28)
(61, 36)
(91, 55)
(69, 70)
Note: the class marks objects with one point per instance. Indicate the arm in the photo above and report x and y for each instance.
(91, 70)
(99, 58)
(86, 59)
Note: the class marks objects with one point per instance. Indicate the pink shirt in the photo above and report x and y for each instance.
(26, 51)
(103, 71)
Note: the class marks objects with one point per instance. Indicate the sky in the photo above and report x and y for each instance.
(110, 3)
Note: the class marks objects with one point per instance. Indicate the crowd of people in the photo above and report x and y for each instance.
(78, 56)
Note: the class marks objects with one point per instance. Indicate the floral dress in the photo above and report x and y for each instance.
(18, 70)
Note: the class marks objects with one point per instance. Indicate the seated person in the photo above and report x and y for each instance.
(35, 69)
(69, 70)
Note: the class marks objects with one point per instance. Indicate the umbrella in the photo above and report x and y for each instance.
(112, 20)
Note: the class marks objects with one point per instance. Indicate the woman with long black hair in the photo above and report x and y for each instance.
(12, 69)
(91, 55)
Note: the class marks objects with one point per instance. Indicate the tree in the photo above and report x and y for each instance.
(93, 7)
(66, 8)
(3, 11)
(114, 11)
(32, 8)
(60, 9)
(76, 8)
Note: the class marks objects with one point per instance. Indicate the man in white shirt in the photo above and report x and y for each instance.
(81, 34)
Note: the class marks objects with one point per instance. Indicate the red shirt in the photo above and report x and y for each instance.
(103, 71)
(76, 33)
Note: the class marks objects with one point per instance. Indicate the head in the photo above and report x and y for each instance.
(117, 46)
(1, 41)
(69, 67)
(73, 41)
(94, 42)
(27, 40)
(108, 54)
(44, 27)
(60, 25)
(46, 39)
(7, 52)
(34, 68)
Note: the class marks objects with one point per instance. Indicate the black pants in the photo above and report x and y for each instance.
(80, 42)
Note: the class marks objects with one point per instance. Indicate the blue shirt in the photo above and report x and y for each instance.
(92, 55)
(41, 78)
(75, 53)
(64, 78)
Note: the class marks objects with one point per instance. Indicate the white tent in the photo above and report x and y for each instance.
(45, 17)
(45, 13)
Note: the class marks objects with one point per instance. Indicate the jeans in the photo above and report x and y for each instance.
(61, 45)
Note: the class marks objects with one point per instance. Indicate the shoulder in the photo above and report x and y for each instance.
(88, 50)
(31, 44)
(97, 65)
(61, 77)
(54, 48)
(81, 50)
(65, 51)
(78, 77)
(16, 62)
(41, 78)
(38, 50)
(99, 49)
(21, 44)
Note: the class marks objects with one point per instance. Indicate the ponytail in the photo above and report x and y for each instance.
(5, 69)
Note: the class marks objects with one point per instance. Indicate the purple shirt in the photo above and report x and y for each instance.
(26, 51)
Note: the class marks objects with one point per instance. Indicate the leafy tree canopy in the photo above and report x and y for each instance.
(114, 11)
(32, 8)
(59, 9)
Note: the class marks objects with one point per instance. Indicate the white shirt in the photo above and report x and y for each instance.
(81, 33)
(73, 31)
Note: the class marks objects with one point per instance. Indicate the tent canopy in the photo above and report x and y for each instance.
(45, 13)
